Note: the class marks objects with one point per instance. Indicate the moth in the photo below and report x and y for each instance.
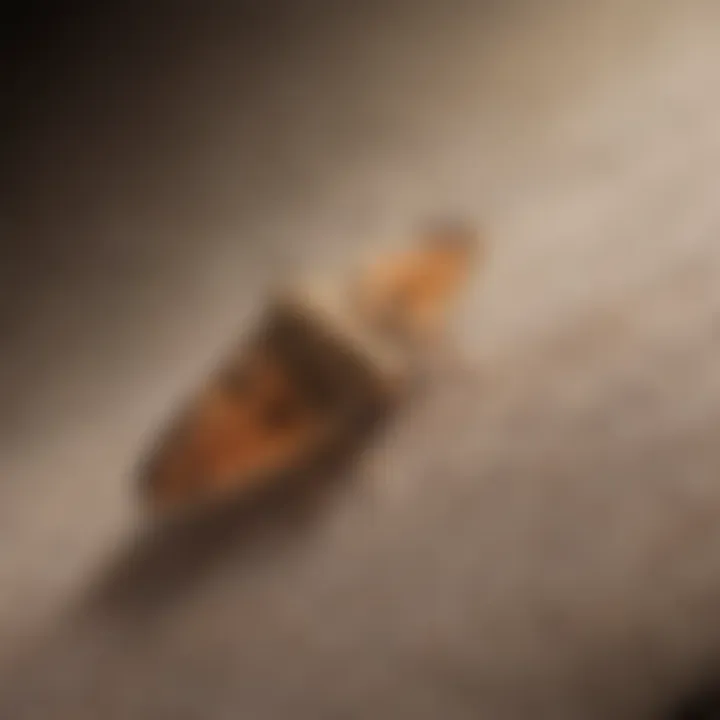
(322, 358)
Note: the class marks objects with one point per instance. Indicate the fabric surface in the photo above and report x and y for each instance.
(538, 535)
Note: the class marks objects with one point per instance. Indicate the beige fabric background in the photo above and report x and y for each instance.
(536, 540)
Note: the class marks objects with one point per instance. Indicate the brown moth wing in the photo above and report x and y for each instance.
(249, 423)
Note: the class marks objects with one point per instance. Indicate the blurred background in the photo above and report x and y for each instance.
(539, 538)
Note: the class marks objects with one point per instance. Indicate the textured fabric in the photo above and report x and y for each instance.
(537, 536)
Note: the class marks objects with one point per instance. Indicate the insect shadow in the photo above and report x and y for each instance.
(166, 560)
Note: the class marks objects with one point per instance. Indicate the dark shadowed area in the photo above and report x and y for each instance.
(538, 536)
